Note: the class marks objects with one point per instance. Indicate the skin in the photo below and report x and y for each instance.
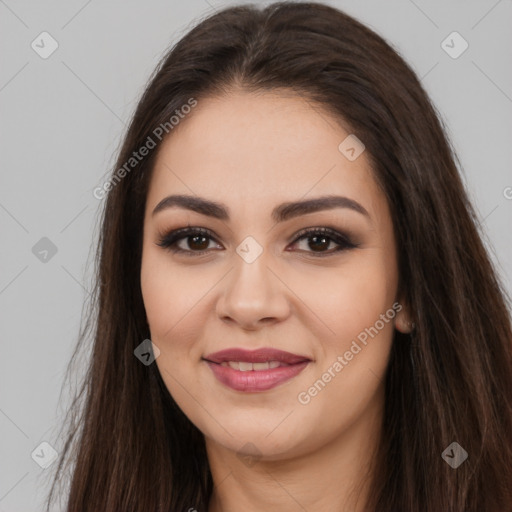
(252, 152)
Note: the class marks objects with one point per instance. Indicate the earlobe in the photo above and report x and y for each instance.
(403, 323)
(403, 320)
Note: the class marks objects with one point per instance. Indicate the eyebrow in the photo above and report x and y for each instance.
(280, 213)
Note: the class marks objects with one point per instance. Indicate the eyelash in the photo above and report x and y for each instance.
(169, 240)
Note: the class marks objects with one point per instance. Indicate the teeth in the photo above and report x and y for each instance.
(260, 366)
(245, 367)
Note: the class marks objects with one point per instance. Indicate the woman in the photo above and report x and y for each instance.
(295, 309)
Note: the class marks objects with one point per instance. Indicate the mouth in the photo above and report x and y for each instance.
(253, 371)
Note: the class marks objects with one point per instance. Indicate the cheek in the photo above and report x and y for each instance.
(170, 293)
(359, 309)
(178, 303)
(172, 300)
(157, 293)
(348, 299)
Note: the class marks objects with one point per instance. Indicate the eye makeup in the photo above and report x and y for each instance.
(200, 238)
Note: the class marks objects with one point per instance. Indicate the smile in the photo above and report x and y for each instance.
(245, 367)
(254, 371)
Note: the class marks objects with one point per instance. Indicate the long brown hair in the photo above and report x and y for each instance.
(132, 448)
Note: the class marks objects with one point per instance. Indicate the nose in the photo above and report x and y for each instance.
(253, 296)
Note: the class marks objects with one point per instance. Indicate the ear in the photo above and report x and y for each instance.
(403, 319)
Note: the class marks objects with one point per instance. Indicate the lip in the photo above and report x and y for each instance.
(255, 380)
(255, 356)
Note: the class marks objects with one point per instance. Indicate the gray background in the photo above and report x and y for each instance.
(63, 117)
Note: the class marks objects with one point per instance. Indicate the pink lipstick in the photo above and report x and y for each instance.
(256, 370)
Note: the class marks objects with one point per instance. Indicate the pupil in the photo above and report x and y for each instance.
(202, 246)
(321, 244)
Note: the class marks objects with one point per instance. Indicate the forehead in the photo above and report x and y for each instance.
(268, 146)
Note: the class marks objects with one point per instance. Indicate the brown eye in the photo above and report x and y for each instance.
(318, 240)
(197, 240)
(318, 243)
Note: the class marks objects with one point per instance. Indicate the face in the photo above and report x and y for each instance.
(266, 266)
